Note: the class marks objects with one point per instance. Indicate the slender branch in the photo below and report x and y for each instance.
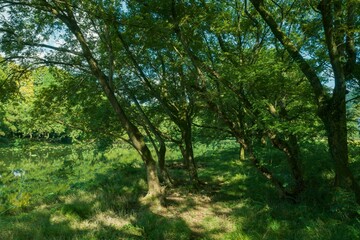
(59, 49)
(255, 22)
(294, 52)
(352, 99)
(213, 127)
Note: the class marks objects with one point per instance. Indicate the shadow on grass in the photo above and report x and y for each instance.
(107, 206)
(324, 212)
(104, 207)
(119, 190)
(35, 225)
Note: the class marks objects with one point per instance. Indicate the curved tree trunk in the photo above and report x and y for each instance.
(161, 153)
(161, 150)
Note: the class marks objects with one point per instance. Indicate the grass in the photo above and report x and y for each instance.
(76, 192)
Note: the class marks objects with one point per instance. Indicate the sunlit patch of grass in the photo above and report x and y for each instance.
(76, 217)
(76, 190)
(205, 219)
(111, 219)
(259, 220)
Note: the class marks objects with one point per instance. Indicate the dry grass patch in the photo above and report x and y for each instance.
(205, 218)
(110, 219)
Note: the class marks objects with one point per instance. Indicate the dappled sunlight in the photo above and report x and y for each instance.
(204, 218)
(328, 175)
(179, 120)
(112, 219)
(105, 202)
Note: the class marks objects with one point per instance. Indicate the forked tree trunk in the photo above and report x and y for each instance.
(154, 188)
(164, 173)
(161, 150)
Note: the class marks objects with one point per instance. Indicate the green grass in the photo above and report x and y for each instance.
(76, 192)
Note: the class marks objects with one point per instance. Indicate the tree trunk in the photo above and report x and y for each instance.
(342, 55)
(164, 174)
(262, 169)
(333, 112)
(188, 152)
(161, 150)
(292, 151)
(183, 153)
(137, 139)
(336, 129)
(154, 188)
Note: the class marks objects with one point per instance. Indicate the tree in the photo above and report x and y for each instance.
(337, 20)
(9, 90)
(28, 29)
(160, 71)
(64, 109)
(230, 69)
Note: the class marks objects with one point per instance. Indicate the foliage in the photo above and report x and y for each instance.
(187, 75)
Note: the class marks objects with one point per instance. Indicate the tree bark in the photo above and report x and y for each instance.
(164, 173)
(161, 150)
(242, 154)
(333, 113)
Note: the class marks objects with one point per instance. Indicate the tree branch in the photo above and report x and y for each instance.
(294, 52)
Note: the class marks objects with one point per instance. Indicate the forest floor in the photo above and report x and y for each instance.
(51, 191)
